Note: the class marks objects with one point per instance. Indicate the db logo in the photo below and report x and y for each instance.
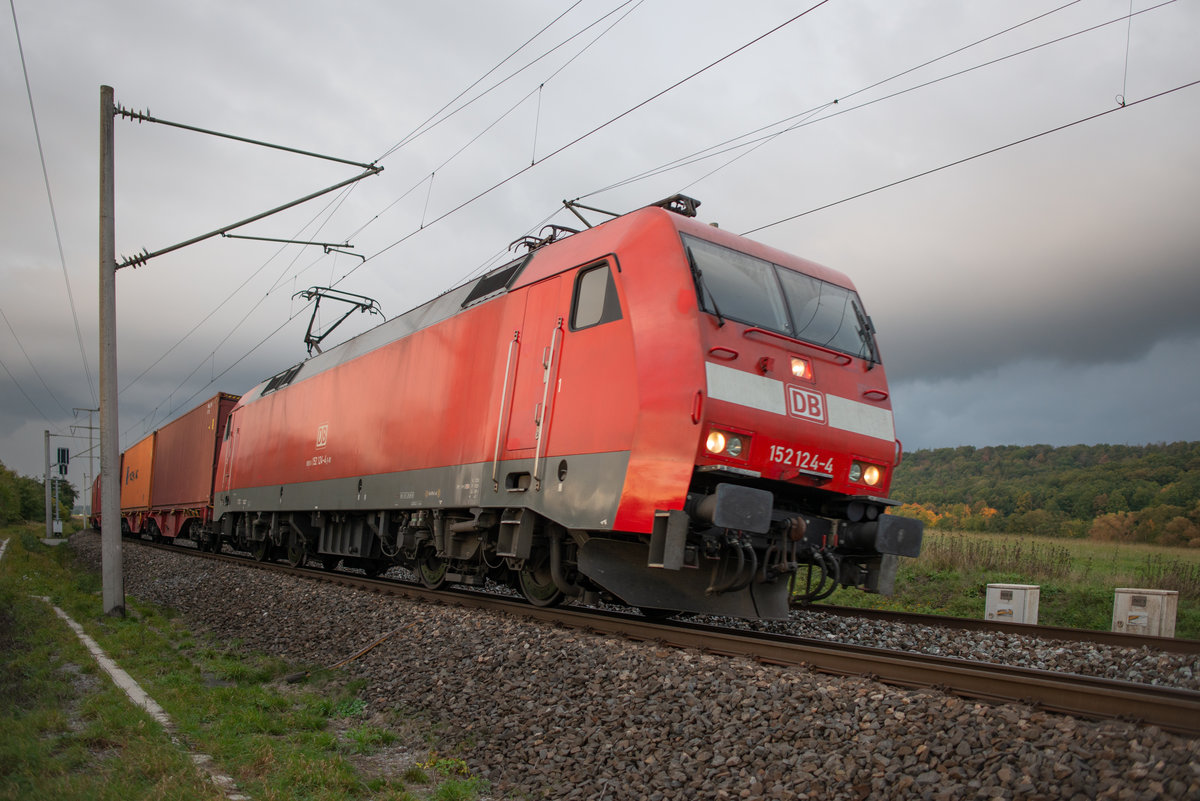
(322, 435)
(806, 404)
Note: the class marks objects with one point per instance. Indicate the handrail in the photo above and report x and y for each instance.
(501, 422)
(549, 391)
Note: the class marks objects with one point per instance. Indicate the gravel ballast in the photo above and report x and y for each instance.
(546, 712)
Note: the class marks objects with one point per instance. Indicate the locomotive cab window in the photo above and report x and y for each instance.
(756, 292)
(595, 301)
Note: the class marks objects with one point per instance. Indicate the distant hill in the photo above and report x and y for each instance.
(1141, 493)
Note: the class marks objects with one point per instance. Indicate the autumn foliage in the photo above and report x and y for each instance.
(1120, 493)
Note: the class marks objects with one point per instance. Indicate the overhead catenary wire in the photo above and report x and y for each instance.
(588, 134)
(697, 73)
(62, 259)
(32, 366)
(512, 108)
(436, 119)
(808, 116)
(988, 152)
(25, 395)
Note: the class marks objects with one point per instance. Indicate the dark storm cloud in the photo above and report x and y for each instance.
(1105, 313)
(1037, 401)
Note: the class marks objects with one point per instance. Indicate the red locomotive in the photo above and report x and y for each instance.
(650, 410)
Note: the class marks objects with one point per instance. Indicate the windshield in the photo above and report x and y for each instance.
(753, 291)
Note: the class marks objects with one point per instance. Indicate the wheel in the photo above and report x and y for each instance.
(430, 569)
(297, 553)
(209, 541)
(537, 585)
(329, 562)
(261, 549)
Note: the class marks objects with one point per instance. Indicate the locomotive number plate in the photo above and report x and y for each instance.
(805, 460)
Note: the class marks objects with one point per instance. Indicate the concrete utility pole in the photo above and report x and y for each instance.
(113, 583)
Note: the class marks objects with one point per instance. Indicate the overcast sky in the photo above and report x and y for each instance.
(1044, 293)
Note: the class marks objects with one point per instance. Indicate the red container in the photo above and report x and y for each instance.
(94, 519)
(185, 454)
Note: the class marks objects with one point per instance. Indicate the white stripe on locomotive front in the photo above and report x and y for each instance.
(769, 395)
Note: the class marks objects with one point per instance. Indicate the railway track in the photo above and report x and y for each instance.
(1119, 639)
(1172, 709)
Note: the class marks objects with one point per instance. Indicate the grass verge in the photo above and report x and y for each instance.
(1076, 577)
(69, 733)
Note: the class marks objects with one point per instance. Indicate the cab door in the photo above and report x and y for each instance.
(539, 349)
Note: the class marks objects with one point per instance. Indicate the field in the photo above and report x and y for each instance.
(1077, 577)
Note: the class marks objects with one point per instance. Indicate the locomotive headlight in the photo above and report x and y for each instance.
(863, 473)
(801, 368)
(724, 443)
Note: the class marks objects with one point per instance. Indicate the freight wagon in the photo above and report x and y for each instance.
(167, 477)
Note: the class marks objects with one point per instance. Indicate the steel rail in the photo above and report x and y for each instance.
(1120, 639)
(1170, 708)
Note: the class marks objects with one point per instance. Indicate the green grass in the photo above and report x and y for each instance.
(1076, 577)
(70, 734)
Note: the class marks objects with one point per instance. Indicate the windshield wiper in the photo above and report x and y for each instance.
(702, 288)
(865, 331)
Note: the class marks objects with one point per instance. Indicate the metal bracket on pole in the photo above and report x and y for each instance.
(144, 256)
(330, 247)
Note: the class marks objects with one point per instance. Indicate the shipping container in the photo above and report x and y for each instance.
(185, 455)
(137, 471)
(94, 518)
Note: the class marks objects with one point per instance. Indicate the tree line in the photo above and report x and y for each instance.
(23, 498)
(1130, 493)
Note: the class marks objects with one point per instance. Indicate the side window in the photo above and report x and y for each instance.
(595, 299)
